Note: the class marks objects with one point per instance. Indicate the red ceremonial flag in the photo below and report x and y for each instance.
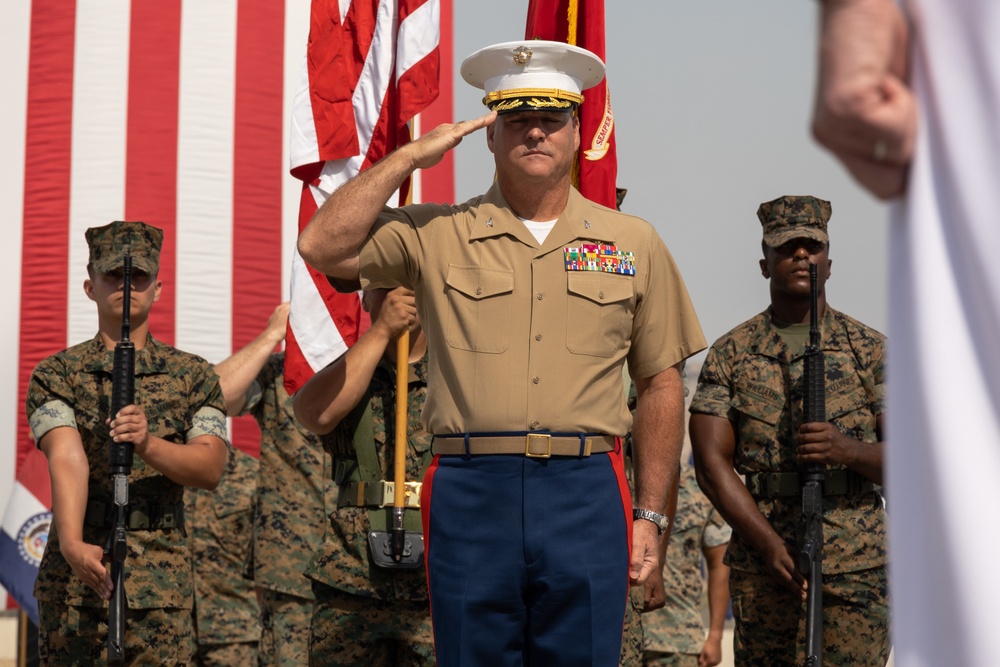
(371, 66)
(581, 22)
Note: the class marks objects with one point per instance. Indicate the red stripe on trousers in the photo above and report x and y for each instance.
(45, 228)
(151, 142)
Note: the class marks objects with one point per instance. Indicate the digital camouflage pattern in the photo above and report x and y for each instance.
(226, 655)
(220, 527)
(855, 620)
(364, 614)
(181, 398)
(791, 217)
(679, 627)
(285, 620)
(294, 478)
(294, 486)
(77, 636)
(632, 632)
(343, 560)
(109, 244)
(353, 631)
(750, 378)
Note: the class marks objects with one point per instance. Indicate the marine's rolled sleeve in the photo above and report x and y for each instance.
(714, 393)
(49, 401)
(208, 421)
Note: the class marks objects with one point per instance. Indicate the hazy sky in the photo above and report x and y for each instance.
(712, 102)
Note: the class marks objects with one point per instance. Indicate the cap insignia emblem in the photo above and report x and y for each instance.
(522, 55)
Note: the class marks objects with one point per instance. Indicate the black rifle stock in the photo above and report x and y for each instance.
(120, 457)
(812, 476)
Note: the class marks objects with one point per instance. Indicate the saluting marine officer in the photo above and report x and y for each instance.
(532, 298)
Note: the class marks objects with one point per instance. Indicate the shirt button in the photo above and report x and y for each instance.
(533, 425)
(600, 295)
(539, 296)
(479, 290)
(538, 336)
(535, 379)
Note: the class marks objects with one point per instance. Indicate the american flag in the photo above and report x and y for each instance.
(174, 113)
(371, 67)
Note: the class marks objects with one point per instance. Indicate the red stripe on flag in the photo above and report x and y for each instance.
(45, 242)
(257, 176)
(437, 184)
(151, 143)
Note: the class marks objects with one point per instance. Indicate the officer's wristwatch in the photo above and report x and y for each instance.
(661, 520)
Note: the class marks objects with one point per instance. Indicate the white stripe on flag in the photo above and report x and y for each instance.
(419, 35)
(376, 77)
(22, 506)
(204, 179)
(100, 104)
(296, 37)
(14, 83)
(316, 333)
(304, 143)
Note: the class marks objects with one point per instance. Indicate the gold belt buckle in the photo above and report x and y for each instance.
(538, 436)
(412, 497)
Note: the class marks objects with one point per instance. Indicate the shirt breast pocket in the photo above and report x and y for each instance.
(599, 317)
(480, 301)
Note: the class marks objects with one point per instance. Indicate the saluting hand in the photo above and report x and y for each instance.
(130, 425)
(428, 150)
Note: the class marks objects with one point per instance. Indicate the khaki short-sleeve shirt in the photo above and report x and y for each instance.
(517, 341)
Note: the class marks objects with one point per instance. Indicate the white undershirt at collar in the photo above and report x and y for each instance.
(540, 230)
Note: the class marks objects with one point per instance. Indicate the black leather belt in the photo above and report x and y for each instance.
(139, 515)
(779, 484)
(530, 444)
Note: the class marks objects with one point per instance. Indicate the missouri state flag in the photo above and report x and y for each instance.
(25, 532)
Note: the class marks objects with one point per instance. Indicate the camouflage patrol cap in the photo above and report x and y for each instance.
(792, 217)
(108, 245)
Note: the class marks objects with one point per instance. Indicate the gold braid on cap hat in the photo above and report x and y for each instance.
(554, 93)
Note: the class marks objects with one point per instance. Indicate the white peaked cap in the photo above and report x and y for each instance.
(532, 71)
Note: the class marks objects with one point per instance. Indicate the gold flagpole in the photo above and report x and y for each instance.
(399, 491)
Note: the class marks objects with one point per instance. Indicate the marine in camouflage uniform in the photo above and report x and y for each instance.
(178, 403)
(368, 615)
(220, 527)
(295, 484)
(675, 635)
(747, 413)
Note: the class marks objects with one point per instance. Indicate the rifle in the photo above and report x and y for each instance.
(120, 458)
(811, 478)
